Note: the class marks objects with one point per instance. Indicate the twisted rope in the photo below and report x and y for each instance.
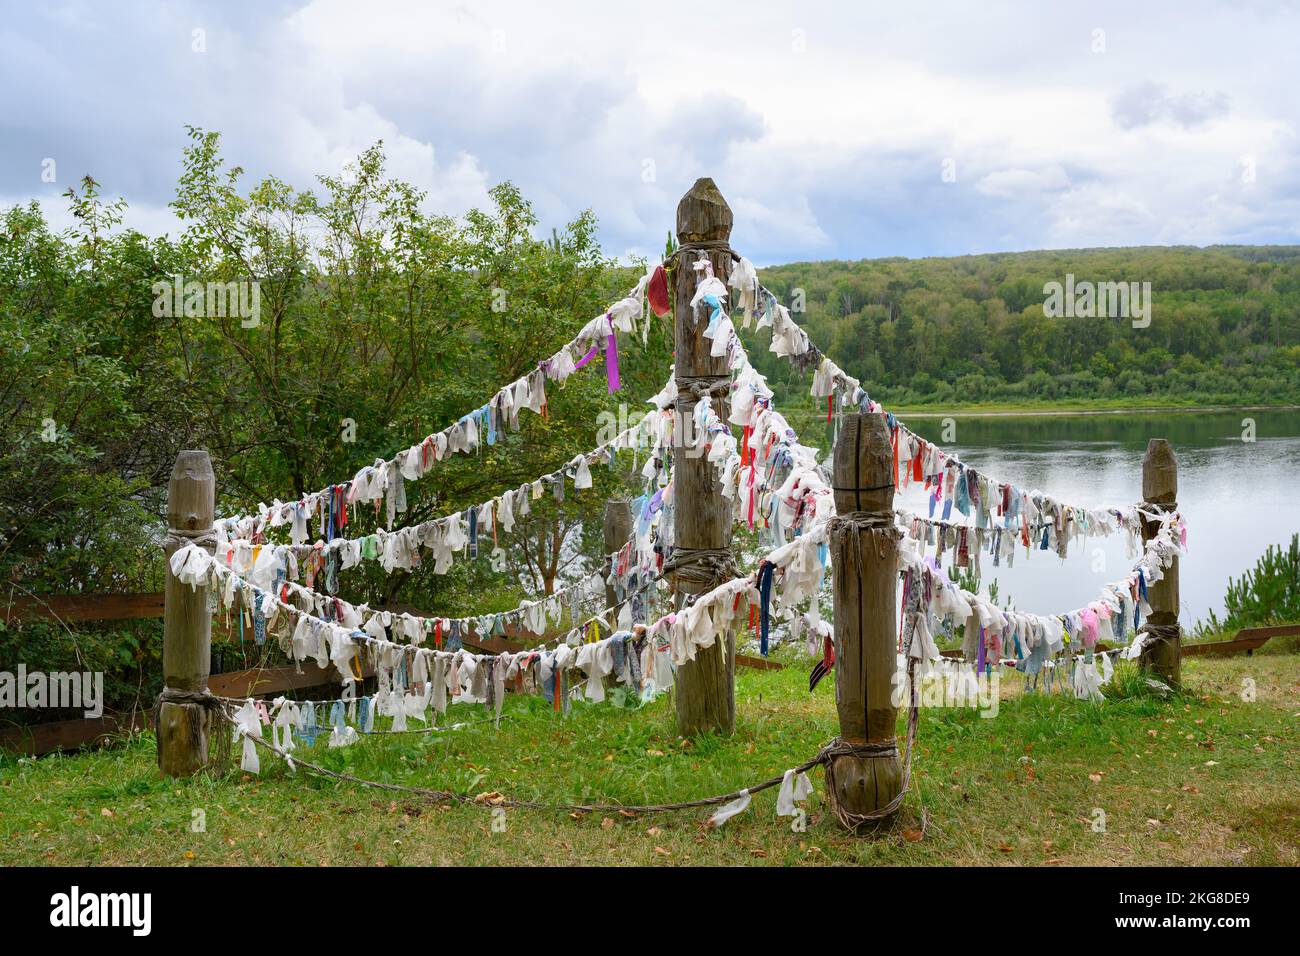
(700, 385)
(1159, 633)
(705, 566)
(451, 796)
(849, 819)
(203, 537)
(205, 699)
(705, 245)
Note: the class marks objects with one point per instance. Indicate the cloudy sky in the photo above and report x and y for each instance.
(843, 130)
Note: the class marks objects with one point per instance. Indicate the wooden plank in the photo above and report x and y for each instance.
(758, 663)
(1274, 630)
(83, 607)
(37, 739)
(262, 681)
(1235, 646)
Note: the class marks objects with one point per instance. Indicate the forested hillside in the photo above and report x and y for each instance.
(1225, 326)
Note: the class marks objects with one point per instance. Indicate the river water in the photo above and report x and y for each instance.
(1236, 490)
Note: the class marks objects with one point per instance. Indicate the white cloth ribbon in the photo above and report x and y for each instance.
(794, 787)
(729, 810)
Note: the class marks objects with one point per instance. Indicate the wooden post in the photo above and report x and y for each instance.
(865, 562)
(1160, 493)
(618, 528)
(705, 688)
(187, 625)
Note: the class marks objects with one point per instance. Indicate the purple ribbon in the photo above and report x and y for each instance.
(611, 357)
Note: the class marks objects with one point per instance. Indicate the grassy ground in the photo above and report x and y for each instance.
(1203, 778)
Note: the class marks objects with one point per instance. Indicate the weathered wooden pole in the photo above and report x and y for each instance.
(701, 560)
(1162, 653)
(864, 555)
(618, 528)
(187, 624)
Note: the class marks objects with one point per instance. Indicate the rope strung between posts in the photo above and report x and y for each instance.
(452, 796)
(230, 701)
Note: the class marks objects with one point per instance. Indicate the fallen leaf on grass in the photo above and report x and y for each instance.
(607, 823)
(758, 853)
(1095, 777)
(913, 836)
(661, 851)
(491, 796)
(653, 831)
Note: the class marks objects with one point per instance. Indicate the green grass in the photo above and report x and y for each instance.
(1199, 778)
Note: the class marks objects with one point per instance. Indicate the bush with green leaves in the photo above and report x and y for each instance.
(1269, 593)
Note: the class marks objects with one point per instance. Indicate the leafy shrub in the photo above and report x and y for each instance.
(1267, 594)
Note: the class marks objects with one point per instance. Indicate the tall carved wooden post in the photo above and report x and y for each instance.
(618, 528)
(864, 555)
(1162, 653)
(187, 624)
(701, 558)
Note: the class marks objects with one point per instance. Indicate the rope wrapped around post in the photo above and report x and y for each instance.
(700, 385)
(706, 567)
(1159, 633)
(879, 524)
(887, 749)
(703, 245)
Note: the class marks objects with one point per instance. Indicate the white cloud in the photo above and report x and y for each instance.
(827, 129)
